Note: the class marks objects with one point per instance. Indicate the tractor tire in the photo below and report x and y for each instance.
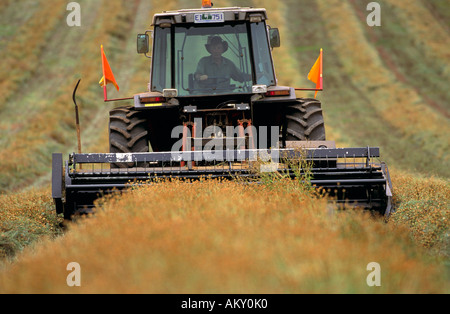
(304, 121)
(127, 133)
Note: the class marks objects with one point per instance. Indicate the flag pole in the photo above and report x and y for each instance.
(105, 96)
(320, 72)
(321, 69)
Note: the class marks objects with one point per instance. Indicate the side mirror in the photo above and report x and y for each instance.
(142, 43)
(274, 36)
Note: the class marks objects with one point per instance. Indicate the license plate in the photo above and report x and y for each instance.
(210, 17)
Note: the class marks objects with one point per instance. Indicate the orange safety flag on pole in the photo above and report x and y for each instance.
(315, 74)
(108, 76)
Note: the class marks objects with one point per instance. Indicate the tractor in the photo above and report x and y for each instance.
(214, 108)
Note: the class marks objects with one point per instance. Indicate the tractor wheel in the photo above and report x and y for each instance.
(304, 121)
(127, 133)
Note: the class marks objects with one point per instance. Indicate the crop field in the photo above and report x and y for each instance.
(384, 86)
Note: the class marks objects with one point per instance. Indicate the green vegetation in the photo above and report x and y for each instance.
(422, 205)
(26, 218)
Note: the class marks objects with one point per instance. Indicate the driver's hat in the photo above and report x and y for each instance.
(215, 40)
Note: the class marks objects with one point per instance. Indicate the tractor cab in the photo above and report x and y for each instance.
(204, 52)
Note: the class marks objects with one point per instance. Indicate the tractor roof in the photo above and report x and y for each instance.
(210, 15)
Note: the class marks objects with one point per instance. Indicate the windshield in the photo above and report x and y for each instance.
(211, 60)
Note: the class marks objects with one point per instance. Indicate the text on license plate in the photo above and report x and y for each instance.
(211, 17)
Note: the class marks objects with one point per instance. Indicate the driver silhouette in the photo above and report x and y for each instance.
(215, 71)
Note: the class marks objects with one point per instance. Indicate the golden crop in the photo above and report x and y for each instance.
(226, 237)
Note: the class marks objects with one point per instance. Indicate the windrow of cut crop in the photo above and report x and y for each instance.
(46, 120)
(425, 31)
(286, 66)
(440, 11)
(20, 56)
(407, 51)
(4, 4)
(397, 104)
(350, 120)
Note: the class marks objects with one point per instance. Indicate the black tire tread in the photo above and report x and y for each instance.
(127, 133)
(304, 121)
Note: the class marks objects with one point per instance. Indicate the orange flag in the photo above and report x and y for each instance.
(108, 76)
(315, 74)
